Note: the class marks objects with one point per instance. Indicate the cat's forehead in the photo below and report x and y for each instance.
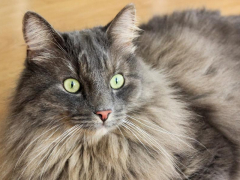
(90, 48)
(89, 41)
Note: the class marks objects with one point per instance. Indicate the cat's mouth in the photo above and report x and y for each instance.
(99, 126)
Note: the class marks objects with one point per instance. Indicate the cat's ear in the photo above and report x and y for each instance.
(38, 33)
(122, 30)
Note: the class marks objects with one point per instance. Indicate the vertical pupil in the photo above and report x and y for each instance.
(116, 80)
(72, 84)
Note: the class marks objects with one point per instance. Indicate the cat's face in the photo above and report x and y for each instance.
(89, 78)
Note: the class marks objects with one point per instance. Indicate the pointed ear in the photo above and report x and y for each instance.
(38, 33)
(122, 30)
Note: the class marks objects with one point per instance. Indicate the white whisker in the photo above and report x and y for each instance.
(164, 131)
(167, 132)
(51, 152)
(121, 131)
(32, 143)
(66, 137)
(42, 151)
(159, 147)
(147, 138)
(137, 138)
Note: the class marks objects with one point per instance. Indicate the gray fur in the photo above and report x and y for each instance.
(176, 117)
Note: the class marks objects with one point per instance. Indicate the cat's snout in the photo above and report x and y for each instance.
(103, 114)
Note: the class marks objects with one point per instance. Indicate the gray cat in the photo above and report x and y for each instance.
(121, 102)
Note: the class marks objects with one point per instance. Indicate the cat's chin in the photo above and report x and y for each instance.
(94, 136)
(100, 132)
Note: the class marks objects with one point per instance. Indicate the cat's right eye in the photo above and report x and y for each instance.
(71, 85)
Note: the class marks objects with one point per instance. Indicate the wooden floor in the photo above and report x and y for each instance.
(66, 15)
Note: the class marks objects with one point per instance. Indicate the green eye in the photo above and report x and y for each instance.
(71, 85)
(117, 81)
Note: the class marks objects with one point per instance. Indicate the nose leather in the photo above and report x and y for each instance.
(103, 114)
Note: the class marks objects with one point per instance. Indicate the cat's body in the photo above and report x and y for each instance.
(176, 116)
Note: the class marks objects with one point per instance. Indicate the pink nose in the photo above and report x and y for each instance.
(103, 114)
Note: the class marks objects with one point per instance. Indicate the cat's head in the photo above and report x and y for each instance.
(89, 78)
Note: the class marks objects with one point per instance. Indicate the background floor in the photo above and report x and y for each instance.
(66, 15)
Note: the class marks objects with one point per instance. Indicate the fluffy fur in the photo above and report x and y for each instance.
(176, 117)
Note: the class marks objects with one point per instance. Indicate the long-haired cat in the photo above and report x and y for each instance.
(121, 102)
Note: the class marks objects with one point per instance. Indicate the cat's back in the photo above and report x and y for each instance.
(200, 52)
(190, 31)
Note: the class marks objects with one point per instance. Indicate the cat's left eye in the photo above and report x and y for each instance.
(117, 81)
(71, 85)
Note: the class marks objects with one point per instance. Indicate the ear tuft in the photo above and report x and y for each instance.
(38, 33)
(123, 30)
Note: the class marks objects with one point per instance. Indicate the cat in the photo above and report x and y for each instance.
(155, 102)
